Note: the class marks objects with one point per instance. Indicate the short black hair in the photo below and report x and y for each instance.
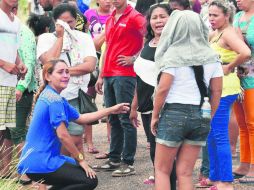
(183, 3)
(62, 8)
(143, 6)
(39, 23)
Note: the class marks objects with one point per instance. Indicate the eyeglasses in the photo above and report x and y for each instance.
(159, 3)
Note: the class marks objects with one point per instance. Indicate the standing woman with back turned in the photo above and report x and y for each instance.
(187, 66)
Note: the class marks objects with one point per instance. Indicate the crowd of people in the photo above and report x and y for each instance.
(161, 59)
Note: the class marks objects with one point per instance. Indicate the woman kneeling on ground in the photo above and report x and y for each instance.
(41, 159)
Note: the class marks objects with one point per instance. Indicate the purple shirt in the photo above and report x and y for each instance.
(196, 6)
(97, 22)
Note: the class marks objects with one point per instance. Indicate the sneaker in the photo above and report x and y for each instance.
(124, 170)
(107, 166)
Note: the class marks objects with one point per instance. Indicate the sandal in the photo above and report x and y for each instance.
(237, 176)
(24, 182)
(247, 179)
(149, 181)
(92, 150)
(104, 155)
(204, 183)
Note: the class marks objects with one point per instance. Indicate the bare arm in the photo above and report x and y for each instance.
(86, 67)
(134, 107)
(55, 50)
(237, 45)
(99, 83)
(66, 140)
(99, 40)
(216, 90)
(160, 97)
(90, 117)
(9, 67)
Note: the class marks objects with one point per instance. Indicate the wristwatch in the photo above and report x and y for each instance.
(80, 157)
(133, 59)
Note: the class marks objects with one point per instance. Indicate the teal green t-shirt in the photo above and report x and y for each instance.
(247, 28)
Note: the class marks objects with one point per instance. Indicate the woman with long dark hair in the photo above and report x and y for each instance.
(144, 67)
(48, 132)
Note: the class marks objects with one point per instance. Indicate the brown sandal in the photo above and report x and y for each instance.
(102, 156)
(92, 150)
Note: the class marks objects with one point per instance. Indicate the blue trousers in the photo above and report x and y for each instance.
(218, 142)
(123, 135)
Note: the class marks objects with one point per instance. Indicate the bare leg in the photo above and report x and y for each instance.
(6, 156)
(89, 139)
(164, 158)
(186, 160)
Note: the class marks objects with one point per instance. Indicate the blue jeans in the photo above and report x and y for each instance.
(218, 142)
(123, 134)
(204, 170)
(180, 124)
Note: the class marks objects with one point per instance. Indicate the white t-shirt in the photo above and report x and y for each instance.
(85, 48)
(9, 45)
(184, 89)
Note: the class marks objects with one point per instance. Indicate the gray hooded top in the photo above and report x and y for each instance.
(184, 42)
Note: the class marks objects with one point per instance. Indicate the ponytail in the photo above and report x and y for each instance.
(199, 76)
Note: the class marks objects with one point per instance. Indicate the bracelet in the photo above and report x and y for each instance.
(133, 59)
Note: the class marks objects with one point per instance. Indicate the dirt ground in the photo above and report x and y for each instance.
(143, 164)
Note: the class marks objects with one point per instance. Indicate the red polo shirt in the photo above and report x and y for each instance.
(124, 37)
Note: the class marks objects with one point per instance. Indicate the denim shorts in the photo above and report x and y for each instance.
(181, 124)
(74, 128)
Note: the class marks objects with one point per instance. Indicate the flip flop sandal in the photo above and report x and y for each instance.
(149, 181)
(213, 188)
(204, 183)
(237, 176)
(24, 182)
(102, 156)
(247, 179)
(92, 150)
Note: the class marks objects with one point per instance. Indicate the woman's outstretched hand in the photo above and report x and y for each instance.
(120, 108)
(89, 171)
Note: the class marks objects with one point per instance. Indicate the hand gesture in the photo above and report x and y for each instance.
(226, 69)
(18, 95)
(59, 31)
(154, 125)
(134, 118)
(98, 85)
(120, 108)
(125, 60)
(89, 171)
(10, 68)
(22, 70)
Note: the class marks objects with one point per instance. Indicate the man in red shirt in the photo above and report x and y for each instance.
(124, 39)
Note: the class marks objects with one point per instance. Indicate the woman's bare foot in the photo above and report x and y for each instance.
(243, 169)
(224, 186)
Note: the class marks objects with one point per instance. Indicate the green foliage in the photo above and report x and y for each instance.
(23, 10)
